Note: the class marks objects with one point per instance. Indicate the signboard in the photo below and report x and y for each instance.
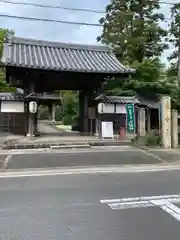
(165, 202)
(130, 118)
(107, 130)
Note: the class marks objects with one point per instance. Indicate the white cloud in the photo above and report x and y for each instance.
(55, 31)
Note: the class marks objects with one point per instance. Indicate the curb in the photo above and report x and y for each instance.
(65, 145)
(70, 146)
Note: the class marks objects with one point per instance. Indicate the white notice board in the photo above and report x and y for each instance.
(107, 130)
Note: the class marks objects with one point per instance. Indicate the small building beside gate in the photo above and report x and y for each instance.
(13, 112)
(115, 110)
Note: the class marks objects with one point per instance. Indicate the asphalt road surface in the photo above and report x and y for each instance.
(69, 207)
(124, 155)
(84, 157)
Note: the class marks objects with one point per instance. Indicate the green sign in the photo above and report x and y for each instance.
(130, 118)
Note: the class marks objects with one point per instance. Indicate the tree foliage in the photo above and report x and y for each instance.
(131, 28)
(4, 87)
(69, 109)
(174, 32)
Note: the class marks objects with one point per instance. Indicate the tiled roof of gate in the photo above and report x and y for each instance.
(116, 99)
(45, 96)
(37, 54)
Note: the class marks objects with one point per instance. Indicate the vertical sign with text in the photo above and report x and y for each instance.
(130, 115)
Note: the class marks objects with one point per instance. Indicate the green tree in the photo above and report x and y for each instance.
(4, 87)
(69, 109)
(131, 27)
(174, 70)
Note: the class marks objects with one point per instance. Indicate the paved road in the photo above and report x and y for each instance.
(124, 155)
(99, 156)
(69, 207)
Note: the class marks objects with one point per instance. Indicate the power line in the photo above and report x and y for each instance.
(65, 8)
(51, 6)
(57, 7)
(56, 21)
(50, 20)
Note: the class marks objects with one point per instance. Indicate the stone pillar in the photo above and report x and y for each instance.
(174, 128)
(166, 121)
(53, 112)
(142, 122)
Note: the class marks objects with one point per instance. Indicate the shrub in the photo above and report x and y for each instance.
(150, 139)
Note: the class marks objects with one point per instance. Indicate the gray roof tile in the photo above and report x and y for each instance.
(46, 55)
(45, 96)
(11, 96)
(116, 99)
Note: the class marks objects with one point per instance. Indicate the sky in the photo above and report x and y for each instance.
(62, 32)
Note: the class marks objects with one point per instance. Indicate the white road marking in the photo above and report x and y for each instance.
(165, 202)
(173, 210)
(86, 170)
(126, 205)
(153, 155)
(6, 161)
(120, 200)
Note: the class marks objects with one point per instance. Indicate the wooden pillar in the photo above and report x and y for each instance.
(83, 111)
(174, 128)
(36, 133)
(50, 112)
(35, 119)
(31, 122)
(99, 91)
(148, 121)
(80, 111)
(53, 112)
(142, 122)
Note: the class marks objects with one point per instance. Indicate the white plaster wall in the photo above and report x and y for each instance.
(12, 106)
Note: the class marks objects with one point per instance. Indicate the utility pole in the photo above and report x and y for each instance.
(178, 64)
